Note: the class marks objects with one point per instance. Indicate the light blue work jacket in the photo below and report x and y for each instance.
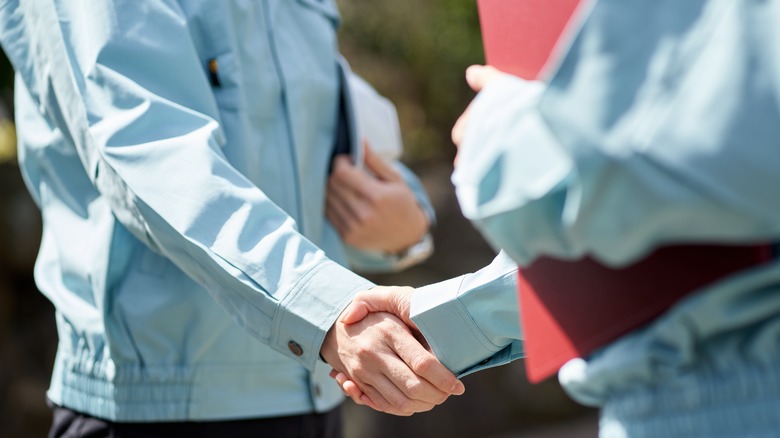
(660, 124)
(179, 152)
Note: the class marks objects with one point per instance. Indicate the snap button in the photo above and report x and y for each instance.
(317, 390)
(295, 348)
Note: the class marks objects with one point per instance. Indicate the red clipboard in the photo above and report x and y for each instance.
(519, 35)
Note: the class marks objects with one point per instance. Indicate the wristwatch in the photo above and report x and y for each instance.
(413, 254)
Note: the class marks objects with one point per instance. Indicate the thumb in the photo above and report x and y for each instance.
(395, 300)
(478, 76)
(379, 166)
(355, 312)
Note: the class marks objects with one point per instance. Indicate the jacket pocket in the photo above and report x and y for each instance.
(212, 25)
(222, 71)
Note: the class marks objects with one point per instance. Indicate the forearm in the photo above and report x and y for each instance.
(149, 141)
(564, 176)
(471, 322)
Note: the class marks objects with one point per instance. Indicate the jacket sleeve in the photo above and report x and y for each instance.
(659, 126)
(471, 322)
(134, 100)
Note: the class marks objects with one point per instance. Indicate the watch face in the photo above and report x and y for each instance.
(416, 253)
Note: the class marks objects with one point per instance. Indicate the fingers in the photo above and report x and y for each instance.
(370, 403)
(346, 208)
(355, 312)
(395, 300)
(371, 213)
(348, 386)
(460, 127)
(478, 76)
(347, 175)
(439, 380)
(337, 213)
(343, 215)
(424, 378)
(350, 185)
(382, 359)
(379, 166)
(417, 382)
(411, 378)
(348, 202)
(390, 399)
(352, 391)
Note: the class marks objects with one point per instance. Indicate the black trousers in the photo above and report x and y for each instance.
(71, 424)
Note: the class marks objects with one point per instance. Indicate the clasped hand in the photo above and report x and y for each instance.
(377, 354)
(382, 362)
(373, 208)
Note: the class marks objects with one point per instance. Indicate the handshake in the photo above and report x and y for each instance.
(380, 358)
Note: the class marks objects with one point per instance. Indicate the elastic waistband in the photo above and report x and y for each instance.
(194, 393)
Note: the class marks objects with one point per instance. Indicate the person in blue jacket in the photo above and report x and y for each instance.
(659, 124)
(179, 152)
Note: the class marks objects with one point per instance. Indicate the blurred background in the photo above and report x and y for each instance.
(414, 52)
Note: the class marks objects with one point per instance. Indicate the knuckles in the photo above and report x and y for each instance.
(415, 390)
(423, 365)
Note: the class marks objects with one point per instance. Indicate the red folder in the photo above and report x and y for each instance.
(569, 309)
(519, 35)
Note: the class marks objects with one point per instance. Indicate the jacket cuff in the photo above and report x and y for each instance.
(311, 307)
(444, 321)
(379, 262)
(472, 322)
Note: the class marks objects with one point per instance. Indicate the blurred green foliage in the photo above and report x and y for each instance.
(7, 130)
(7, 141)
(416, 52)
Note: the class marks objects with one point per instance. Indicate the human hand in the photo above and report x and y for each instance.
(373, 211)
(388, 367)
(477, 76)
(395, 300)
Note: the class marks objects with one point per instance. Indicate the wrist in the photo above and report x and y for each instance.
(412, 254)
(329, 345)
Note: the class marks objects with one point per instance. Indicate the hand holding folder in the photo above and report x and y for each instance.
(520, 35)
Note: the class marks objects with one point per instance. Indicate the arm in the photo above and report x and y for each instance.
(469, 322)
(380, 211)
(137, 108)
(637, 142)
(142, 118)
